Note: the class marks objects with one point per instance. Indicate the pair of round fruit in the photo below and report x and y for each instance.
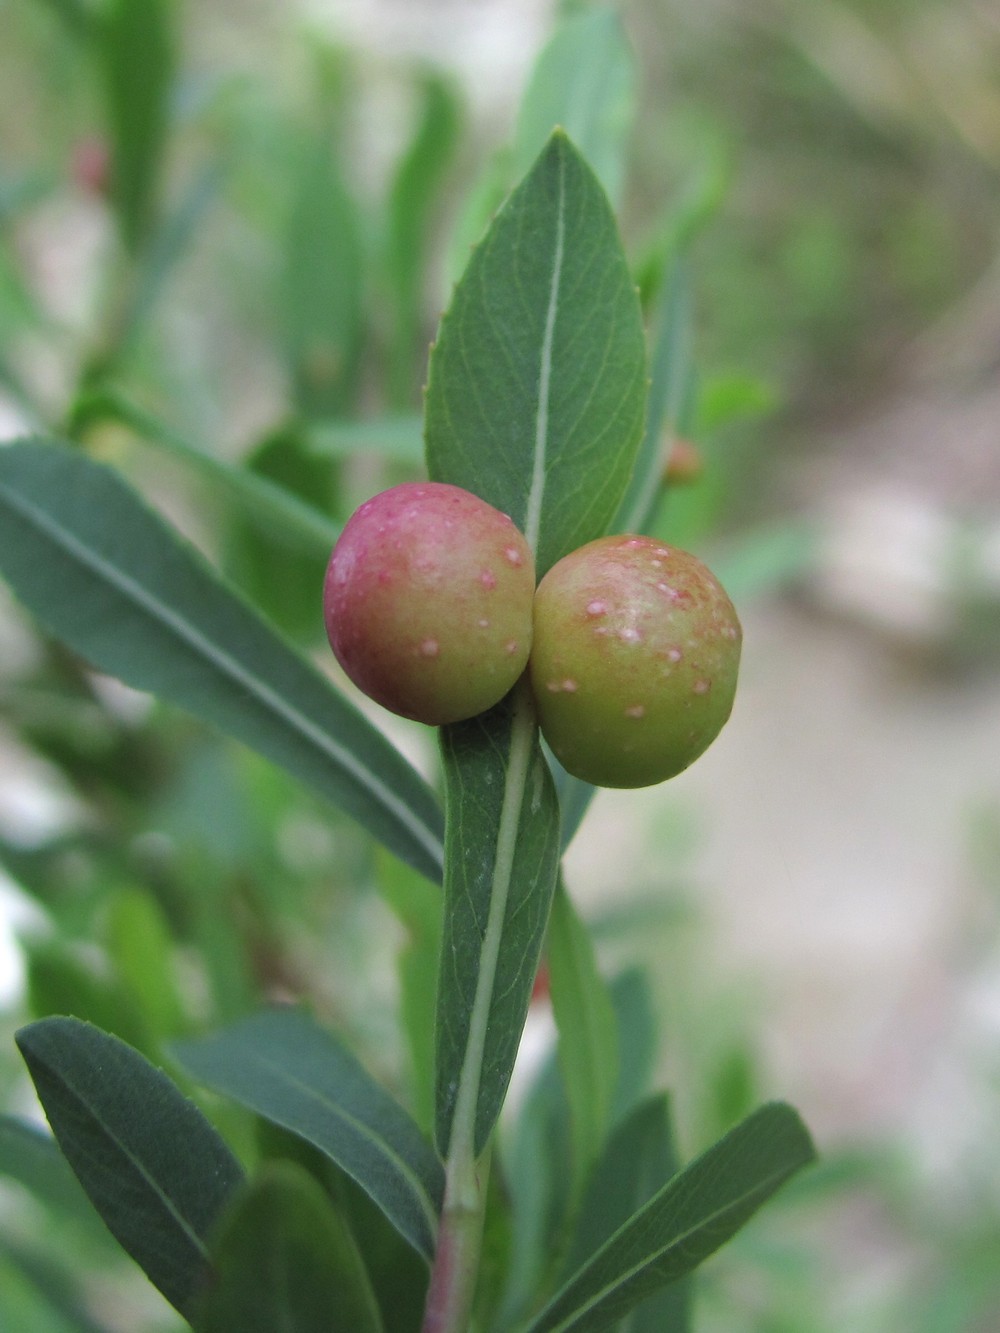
(632, 647)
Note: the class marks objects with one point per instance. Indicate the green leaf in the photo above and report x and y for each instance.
(637, 1037)
(322, 293)
(583, 82)
(285, 1067)
(137, 63)
(396, 438)
(63, 981)
(141, 945)
(501, 857)
(271, 507)
(107, 575)
(280, 579)
(414, 191)
(638, 1159)
(696, 1212)
(419, 907)
(58, 1286)
(537, 1165)
(585, 1019)
(537, 384)
(284, 1259)
(29, 1155)
(153, 1166)
(671, 370)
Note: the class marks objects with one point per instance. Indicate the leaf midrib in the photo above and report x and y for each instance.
(594, 1301)
(386, 1150)
(189, 635)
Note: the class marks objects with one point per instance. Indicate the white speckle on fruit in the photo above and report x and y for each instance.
(636, 710)
(667, 591)
(487, 579)
(570, 686)
(657, 564)
(596, 608)
(729, 632)
(513, 556)
(553, 686)
(429, 648)
(674, 654)
(483, 623)
(629, 635)
(701, 686)
(510, 647)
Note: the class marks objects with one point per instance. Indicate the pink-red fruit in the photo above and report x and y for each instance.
(427, 602)
(634, 661)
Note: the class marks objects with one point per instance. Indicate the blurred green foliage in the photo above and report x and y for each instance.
(259, 271)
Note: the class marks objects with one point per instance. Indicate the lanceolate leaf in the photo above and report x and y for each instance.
(291, 1071)
(154, 1168)
(285, 1260)
(105, 574)
(638, 1160)
(502, 851)
(137, 56)
(695, 1213)
(30, 1155)
(583, 81)
(323, 283)
(537, 383)
(585, 1019)
(277, 511)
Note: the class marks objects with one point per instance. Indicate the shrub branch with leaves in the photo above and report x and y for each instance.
(354, 1218)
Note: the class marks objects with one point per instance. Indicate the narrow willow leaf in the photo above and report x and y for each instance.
(583, 81)
(696, 1212)
(671, 369)
(141, 947)
(585, 1019)
(284, 1259)
(29, 1155)
(638, 1160)
(106, 575)
(419, 907)
(285, 1067)
(412, 197)
(58, 1286)
(272, 508)
(397, 438)
(537, 386)
(536, 1162)
(137, 60)
(637, 1038)
(323, 284)
(501, 856)
(153, 1166)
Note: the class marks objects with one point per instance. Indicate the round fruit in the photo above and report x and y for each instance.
(634, 661)
(427, 602)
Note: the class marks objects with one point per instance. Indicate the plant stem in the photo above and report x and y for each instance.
(456, 1262)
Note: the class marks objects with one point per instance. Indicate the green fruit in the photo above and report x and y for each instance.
(634, 661)
(428, 600)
